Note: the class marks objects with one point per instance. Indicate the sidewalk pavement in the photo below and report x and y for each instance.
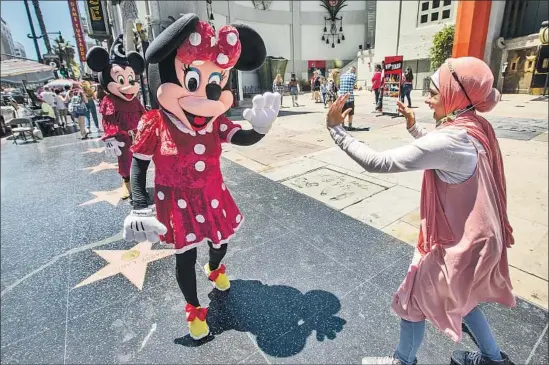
(299, 153)
(309, 284)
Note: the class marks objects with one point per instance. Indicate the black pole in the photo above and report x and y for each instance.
(34, 37)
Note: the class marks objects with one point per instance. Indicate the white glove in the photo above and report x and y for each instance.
(264, 111)
(112, 148)
(142, 225)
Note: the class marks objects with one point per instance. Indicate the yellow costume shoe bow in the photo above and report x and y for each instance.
(218, 277)
(196, 317)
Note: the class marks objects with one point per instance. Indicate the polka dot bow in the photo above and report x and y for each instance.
(202, 45)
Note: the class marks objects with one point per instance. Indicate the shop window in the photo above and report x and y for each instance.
(436, 4)
(425, 6)
(446, 14)
(514, 65)
(529, 64)
(424, 18)
(434, 17)
(447, 2)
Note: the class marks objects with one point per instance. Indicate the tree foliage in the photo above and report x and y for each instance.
(441, 49)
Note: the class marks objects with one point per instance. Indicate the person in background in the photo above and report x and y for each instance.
(316, 88)
(79, 110)
(90, 95)
(312, 84)
(381, 88)
(65, 95)
(293, 86)
(49, 97)
(376, 83)
(347, 83)
(47, 110)
(406, 89)
(61, 108)
(461, 257)
(323, 90)
(278, 86)
(331, 89)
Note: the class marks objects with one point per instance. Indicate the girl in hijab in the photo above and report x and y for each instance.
(461, 255)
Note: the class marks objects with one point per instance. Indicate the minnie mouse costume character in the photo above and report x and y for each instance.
(121, 109)
(188, 74)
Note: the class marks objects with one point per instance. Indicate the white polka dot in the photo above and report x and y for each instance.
(223, 186)
(195, 39)
(200, 218)
(182, 204)
(200, 166)
(199, 149)
(222, 59)
(215, 203)
(160, 195)
(198, 63)
(224, 213)
(218, 235)
(232, 38)
(213, 41)
(157, 134)
(238, 218)
(191, 237)
(140, 126)
(223, 127)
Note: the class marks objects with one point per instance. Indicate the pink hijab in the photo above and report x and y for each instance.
(477, 80)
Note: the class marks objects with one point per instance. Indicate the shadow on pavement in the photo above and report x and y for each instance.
(280, 317)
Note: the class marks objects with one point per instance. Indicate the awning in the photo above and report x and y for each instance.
(17, 70)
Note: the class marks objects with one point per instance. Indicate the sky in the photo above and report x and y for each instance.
(56, 17)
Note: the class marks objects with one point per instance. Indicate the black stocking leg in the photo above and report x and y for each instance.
(186, 275)
(216, 255)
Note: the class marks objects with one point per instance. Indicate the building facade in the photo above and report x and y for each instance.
(6, 41)
(19, 50)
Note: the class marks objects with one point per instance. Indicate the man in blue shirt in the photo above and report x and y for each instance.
(347, 85)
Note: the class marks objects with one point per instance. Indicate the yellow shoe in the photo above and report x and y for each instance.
(196, 318)
(218, 277)
(126, 190)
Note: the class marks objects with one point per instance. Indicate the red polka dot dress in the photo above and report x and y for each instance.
(192, 200)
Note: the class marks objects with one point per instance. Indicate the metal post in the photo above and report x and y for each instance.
(34, 37)
(398, 29)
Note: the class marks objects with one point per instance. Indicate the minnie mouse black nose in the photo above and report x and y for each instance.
(213, 91)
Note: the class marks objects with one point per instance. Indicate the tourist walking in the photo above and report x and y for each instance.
(376, 83)
(79, 110)
(406, 89)
(293, 86)
(278, 87)
(92, 109)
(61, 108)
(461, 254)
(347, 83)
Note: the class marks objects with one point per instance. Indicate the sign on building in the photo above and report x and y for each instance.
(77, 27)
(97, 22)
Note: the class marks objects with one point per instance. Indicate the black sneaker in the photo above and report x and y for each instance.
(476, 358)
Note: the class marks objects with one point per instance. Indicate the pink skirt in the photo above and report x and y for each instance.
(196, 216)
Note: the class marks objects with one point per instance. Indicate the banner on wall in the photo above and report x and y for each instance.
(78, 33)
(392, 82)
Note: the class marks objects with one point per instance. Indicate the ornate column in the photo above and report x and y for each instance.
(472, 20)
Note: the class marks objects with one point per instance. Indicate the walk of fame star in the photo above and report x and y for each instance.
(102, 166)
(131, 263)
(95, 150)
(112, 197)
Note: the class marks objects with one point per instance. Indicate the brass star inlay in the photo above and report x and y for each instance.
(95, 150)
(102, 166)
(131, 263)
(112, 197)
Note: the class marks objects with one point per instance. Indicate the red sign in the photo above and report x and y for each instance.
(393, 65)
(316, 64)
(77, 27)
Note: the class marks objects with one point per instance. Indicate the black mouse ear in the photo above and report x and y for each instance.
(253, 52)
(97, 58)
(171, 38)
(136, 62)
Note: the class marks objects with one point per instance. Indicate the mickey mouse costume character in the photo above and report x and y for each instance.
(121, 109)
(188, 75)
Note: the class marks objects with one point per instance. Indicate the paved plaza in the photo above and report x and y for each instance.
(313, 268)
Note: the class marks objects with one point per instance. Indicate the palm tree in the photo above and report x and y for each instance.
(66, 53)
(40, 18)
